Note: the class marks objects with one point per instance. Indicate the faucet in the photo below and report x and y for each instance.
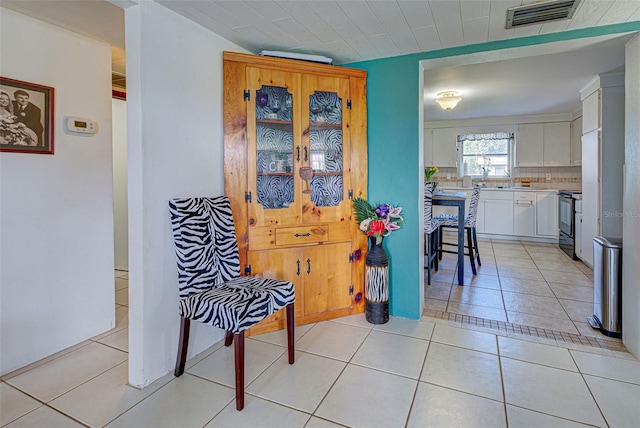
(509, 177)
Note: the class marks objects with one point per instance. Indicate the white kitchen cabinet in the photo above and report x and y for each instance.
(556, 147)
(591, 112)
(497, 212)
(543, 144)
(576, 142)
(444, 151)
(524, 213)
(428, 147)
(529, 142)
(546, 219)
(603, 158)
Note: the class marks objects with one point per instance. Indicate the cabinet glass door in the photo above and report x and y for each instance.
(274, 147)
(273, 134)
(328, 147)
(325, 146)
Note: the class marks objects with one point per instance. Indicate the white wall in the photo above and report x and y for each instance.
(120, 204)
(175, 149)
(631, 220)
(56, 215)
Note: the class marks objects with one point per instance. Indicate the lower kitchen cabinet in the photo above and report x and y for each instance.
(524, 214)
(497, 212)
(546, 214)
(321, 275)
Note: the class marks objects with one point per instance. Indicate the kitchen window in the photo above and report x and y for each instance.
(486, 155)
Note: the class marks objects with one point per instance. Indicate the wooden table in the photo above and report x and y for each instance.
(450, 200)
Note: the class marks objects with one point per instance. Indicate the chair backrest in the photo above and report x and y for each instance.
(206, 245)
(473, 206)
(429, 187)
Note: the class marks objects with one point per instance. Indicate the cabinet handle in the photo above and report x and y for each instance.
(306, 154)
(308, 266)
(298, 263)
(299, 235)
(298, 151)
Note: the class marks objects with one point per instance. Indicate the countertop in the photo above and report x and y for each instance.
(508, 189)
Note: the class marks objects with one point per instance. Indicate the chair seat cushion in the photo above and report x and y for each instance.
(451, 220)
(432, 226)
(239, 303)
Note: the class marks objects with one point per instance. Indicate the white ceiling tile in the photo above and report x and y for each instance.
(498, 19)
(297, 31)
(476, 30)
(619, 12)
(427, 38)
(447, 17)
(473, 9)
(554, 27)
(269, 10)
(527, 30)
(416, 13)
(309, 19)
(383, 42)
(395, 24)
(363, 17)
(589, 13)
(214, 10)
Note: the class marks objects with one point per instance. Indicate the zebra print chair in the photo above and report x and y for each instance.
(431, 231)
(451, 220)
(210, 286)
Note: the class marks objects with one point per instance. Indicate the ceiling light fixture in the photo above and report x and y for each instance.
(448, 99)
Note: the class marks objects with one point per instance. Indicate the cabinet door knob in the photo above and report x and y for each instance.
(308, 266)
(298, 263)
(306, 153)
(298, 153)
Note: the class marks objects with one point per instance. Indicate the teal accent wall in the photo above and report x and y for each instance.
(393, 124)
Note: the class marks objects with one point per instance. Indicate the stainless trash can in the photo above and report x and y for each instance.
(607, 286)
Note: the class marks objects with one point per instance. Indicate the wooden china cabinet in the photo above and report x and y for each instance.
(295, 156)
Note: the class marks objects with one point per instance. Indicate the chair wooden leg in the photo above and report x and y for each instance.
(471, 255)
(291, 333)
(239, 359)
(475, 245)
(228, 339)
(183, 344)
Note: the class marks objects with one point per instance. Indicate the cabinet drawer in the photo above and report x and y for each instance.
(302, 235)
(496, 195)
(524, 197)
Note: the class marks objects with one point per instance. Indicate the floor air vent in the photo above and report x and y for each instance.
(537, 13)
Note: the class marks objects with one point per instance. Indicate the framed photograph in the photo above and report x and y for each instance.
(26, 117)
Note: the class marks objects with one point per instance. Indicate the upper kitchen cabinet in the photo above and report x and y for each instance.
(444, 147)
(543, 144)
(591, 112)
(295, 152)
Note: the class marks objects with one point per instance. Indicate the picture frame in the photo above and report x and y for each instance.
(26, 117)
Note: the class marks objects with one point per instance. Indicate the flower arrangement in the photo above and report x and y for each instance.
(377, 221)
(429, 171)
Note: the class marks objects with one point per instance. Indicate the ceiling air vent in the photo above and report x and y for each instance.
(537, 13)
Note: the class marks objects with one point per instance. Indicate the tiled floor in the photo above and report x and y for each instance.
(426, 373)
(533, 288)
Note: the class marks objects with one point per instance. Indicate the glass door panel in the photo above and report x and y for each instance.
(325, 141)
(274, 147)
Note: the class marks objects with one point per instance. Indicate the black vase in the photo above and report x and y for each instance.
(376, 284)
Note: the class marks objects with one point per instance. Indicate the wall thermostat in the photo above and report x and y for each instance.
(78, 125)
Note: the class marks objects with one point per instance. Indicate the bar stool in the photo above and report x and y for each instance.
(430, 231)
(451, 221)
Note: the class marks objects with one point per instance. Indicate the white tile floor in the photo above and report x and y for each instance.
(520, 283)
(413, 373)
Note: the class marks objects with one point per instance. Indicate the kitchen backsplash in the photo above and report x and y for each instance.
(567, 178)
